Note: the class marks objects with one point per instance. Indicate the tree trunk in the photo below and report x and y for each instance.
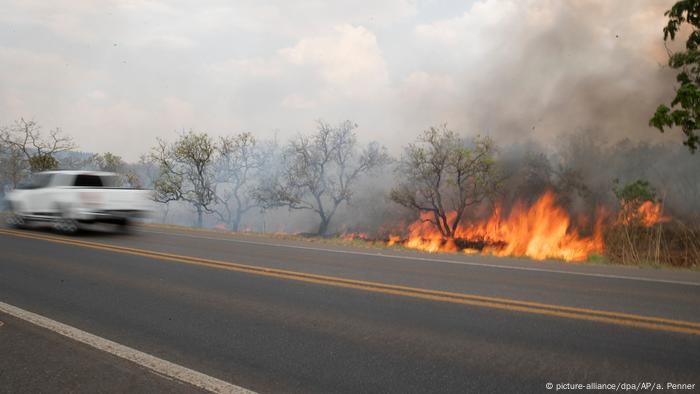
(199, 217)
(235, 223)
(323, 227)
(438, 222)
(166, 210)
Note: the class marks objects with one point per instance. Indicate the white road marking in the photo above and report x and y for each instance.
(432, 260)
(160, 366)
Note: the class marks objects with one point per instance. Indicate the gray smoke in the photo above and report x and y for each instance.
(546, 68)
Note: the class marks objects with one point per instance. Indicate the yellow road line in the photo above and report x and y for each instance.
(618, 318)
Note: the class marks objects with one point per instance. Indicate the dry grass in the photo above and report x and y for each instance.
(670, 244)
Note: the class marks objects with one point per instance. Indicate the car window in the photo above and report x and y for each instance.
(111, 181)
(83, 180)
(61, 180)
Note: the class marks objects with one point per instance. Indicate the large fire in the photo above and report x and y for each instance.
(542, 230)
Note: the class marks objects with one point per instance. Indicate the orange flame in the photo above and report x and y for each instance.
(647, 214)
(543, 230)
(393, 240)
(354, 236)
(650, 213)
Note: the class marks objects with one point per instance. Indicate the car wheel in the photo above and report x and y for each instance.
(15, 219)
(66, 226)
(125, 226)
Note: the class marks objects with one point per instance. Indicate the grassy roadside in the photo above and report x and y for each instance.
(329, 240)
(598, 260)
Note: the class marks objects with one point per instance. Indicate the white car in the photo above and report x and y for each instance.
(69, 199)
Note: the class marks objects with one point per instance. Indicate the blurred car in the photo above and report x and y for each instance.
(71, 199)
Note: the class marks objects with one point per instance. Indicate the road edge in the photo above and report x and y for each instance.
(145, 360)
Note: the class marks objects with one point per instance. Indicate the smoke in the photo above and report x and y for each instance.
(519, 70)
(514, 69)
(563, 85)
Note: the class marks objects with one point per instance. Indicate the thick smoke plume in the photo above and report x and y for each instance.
(520, 70)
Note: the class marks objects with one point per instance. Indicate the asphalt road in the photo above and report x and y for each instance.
(275, 315)
(36, 360)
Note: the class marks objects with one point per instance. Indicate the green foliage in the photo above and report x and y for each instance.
(596, 258)
(442, 172)
(109, 162)
(186, 171)
(637, 191)
(43, 162)
(684, 111)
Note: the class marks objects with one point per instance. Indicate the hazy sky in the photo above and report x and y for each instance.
(117, 74)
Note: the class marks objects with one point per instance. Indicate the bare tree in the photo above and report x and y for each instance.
(442, 172)
(36, 148)
(186, 172)
(238, 165)
(319, 171)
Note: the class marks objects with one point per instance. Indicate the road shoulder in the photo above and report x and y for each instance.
(36, 360)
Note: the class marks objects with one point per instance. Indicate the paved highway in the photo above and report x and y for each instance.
(274, 315)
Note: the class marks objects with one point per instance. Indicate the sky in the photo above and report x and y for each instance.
(116, 75)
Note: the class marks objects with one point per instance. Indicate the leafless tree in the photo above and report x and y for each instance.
(442, 172)
(319, 171)
(186, 172)
(37, 148)
(239, 162)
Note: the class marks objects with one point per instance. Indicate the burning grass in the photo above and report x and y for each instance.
(637, 234)
(540, 231)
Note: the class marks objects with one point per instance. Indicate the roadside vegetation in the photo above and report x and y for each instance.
(584, 198)
(445, 192)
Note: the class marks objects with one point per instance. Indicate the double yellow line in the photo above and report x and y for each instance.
(623, 319)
